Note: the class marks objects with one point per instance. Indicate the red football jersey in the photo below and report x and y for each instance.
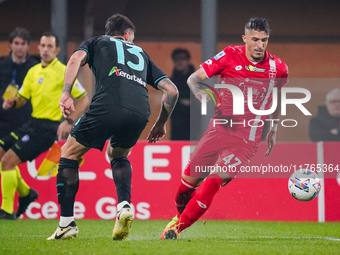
(235, 69)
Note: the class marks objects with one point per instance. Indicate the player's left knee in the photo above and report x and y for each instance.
(115, 153)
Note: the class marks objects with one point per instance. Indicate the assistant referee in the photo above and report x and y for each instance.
(43, 85)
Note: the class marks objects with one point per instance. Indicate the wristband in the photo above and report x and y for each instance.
(69, 121)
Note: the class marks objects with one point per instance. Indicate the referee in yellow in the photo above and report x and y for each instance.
(43, 85)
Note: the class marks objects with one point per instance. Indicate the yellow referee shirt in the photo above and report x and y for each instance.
(44, 85)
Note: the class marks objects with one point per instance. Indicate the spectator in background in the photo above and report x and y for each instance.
(13, 69)
(180, 118)
(326, 125)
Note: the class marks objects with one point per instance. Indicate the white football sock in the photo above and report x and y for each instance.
(65, 221)
(121, 204)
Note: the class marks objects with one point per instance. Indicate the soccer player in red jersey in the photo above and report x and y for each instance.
(231, 139)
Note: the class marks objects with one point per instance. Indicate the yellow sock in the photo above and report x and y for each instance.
(22, 188)
(9, 183)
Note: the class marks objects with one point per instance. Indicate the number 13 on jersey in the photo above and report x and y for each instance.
(132, 49)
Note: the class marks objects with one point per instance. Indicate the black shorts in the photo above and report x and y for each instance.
(32, 139)
(122, 125)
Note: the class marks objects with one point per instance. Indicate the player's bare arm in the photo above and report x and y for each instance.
(194, 82)
(170, 96)
(271, 136)
(66, 102)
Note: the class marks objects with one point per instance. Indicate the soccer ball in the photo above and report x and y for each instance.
(304, 185)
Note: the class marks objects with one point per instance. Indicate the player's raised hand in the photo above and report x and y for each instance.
(66, 104)
(157, 132)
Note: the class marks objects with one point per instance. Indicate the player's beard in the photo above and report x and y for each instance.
(258, 59)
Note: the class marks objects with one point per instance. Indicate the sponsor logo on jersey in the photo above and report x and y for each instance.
(254, 81)
(219, 55)
(255, 69)
(238, 68)
(203, 206)
(40, 80)
(114, 69)
(130, 77)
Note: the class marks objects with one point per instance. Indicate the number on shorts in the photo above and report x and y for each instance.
(228, 158)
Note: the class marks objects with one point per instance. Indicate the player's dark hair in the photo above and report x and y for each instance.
(180, 51)
(118, 24)
(49, 33)
(20, 32)
(258, 24)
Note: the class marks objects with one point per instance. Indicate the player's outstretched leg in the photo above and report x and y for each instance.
(196, 207)
(67, 188)
(122, 174)
(185, 192)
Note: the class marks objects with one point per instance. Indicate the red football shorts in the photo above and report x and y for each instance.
(220, 151)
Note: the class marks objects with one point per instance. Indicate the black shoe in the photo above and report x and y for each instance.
(6, 216)
(25, 201)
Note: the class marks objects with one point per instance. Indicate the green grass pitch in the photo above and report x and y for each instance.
(204, 237)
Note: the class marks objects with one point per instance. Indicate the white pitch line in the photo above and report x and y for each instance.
(288, 237)
(328, 238)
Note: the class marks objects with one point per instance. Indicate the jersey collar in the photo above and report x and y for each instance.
(55, 60)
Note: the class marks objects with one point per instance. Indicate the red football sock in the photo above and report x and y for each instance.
(184, 193)
(200, 202)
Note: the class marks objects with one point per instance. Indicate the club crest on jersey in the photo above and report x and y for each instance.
(255, 69)
(219, 55)
(25, 138)
(272, 73)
